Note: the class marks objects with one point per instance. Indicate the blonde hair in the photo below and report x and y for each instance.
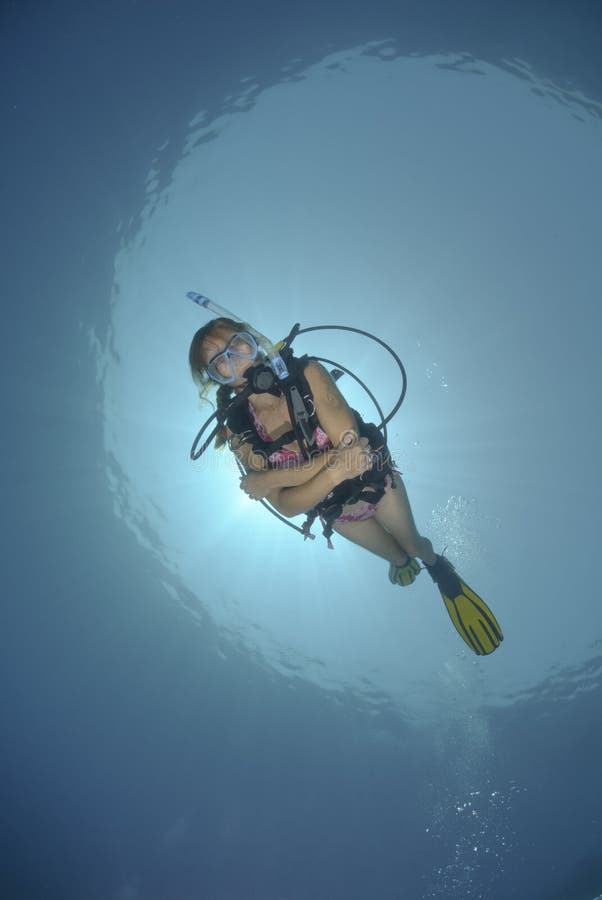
(206, 386)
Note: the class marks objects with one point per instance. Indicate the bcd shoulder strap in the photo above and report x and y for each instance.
(301, 409)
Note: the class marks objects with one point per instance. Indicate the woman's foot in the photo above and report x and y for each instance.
(404, 574)
(444, 575)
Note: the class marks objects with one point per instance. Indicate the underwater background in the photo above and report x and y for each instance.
(196, 703)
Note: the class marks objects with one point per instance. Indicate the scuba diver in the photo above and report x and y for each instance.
(302, 449)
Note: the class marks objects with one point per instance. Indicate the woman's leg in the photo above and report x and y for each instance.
(394, 514)
(373, 537)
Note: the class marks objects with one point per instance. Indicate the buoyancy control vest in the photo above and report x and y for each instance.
(369, 486)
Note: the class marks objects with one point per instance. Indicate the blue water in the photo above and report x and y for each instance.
(196, 703)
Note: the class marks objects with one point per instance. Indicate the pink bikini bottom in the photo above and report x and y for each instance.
(365, 511)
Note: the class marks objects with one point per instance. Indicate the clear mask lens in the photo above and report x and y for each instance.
(221, 367)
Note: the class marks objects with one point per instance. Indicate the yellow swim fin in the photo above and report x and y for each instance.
(405, 574)
(471, 617)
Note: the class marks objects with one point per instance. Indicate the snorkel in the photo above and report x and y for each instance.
(276, 362)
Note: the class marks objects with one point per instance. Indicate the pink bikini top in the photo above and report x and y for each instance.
(283, 458)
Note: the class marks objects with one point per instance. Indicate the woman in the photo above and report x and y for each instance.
(222, 352)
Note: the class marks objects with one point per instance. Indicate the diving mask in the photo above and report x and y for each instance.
(221, 367)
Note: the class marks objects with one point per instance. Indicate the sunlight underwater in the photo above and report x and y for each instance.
(428, 200)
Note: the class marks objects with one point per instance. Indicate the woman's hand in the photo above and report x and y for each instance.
(349, 461)
(257, 484)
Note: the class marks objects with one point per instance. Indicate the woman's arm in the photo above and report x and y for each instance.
(262, 482)
(295, 500)
(270, 483)
(272, 479)
(251, 461)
